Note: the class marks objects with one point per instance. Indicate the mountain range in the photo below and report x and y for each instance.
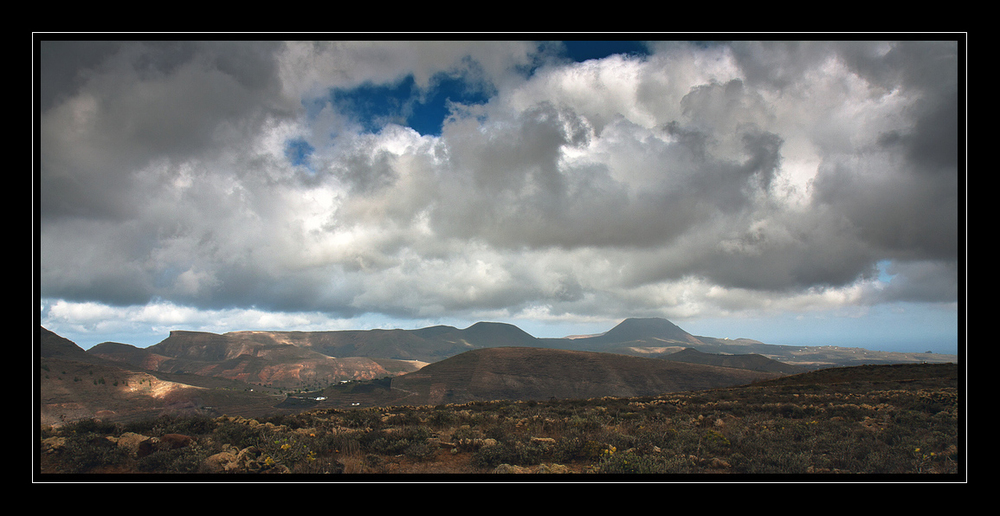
(259, 372)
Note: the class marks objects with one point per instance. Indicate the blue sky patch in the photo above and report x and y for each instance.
(298, 151)
(429, 115)
(376, 105)
(580, 51)
(883, 274)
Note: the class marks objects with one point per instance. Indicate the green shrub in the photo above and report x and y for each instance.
(407, 417)
(441, 418)
(141, 426)
(656, 436)
(714, 442)
(593, 450)
(87, 451)
(394, 442)
(363, 418)
(331, 442)
(513, 452)
(240, 435)
(382, 444)
(466, 432)
(181, 460)
(188, 425)
(420, 451)
(289, 449)
(587, 423)
(774, 461)
(567, 449)
(499, 430)
(94, 426)
(629, 462)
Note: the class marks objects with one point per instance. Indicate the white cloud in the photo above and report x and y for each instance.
(695, 181)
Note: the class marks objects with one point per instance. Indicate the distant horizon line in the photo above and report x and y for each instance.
(569, 337)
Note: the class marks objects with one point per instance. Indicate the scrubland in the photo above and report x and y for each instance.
(882, 421)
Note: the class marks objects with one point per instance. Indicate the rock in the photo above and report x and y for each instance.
(176, 441)
(436, 441)
(53, 444)
(553, 468)
(137, 444)
(475, 443)
(719, 463)
(277, 469)
(509, 469)
(222, 462)
(247, 460)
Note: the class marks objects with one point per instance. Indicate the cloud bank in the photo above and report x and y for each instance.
(691, 180)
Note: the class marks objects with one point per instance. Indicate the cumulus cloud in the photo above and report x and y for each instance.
(696, 179)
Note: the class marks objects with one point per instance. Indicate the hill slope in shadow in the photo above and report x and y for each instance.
(542, 374)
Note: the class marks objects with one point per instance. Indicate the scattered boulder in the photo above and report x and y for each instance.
(137, 444)
(176, 441)
(222, 462)
(553, 468)
(718, 463)
(544, 468)
(510, 469)
(53, 444)
(247, 460)
(475, 443)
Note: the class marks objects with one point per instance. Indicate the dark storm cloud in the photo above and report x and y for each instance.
(108, 109)
(902, 195)
(63, 67)
(922, 281)
(779, 64)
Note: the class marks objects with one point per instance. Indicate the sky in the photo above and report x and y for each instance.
(798, 192)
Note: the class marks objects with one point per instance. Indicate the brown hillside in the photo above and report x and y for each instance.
(541, 374)
(870, 374)
(55, 346)
(254, 361)
(633, 331)
(492, 334)
(128, 354)
(750, 361)
(425, 345)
